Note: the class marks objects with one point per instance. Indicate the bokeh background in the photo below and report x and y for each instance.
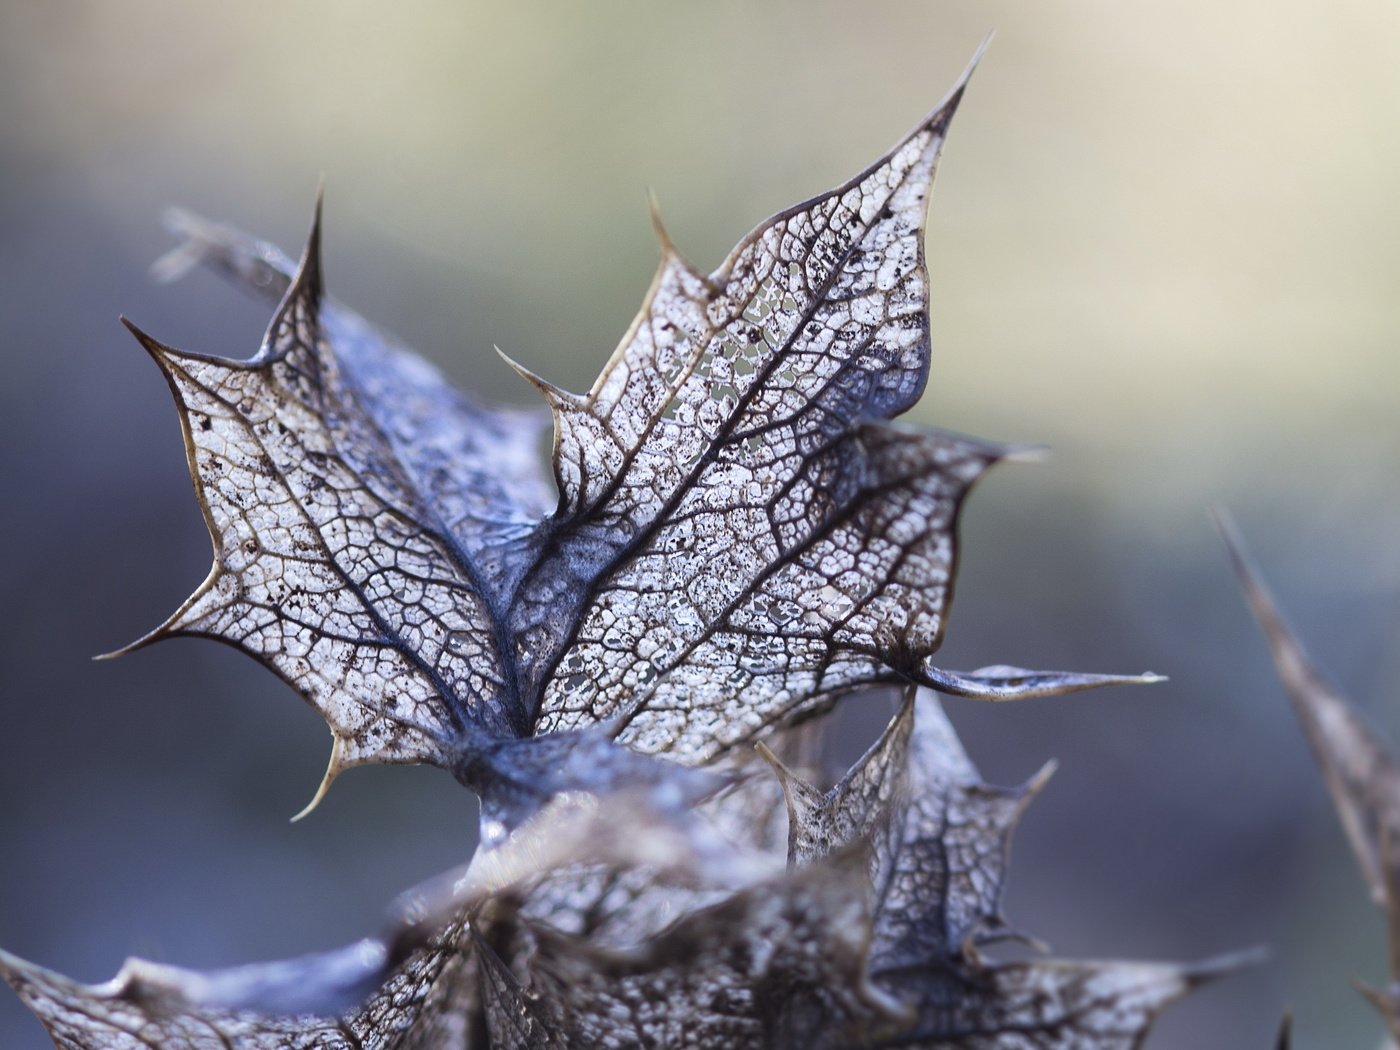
(1165, 242)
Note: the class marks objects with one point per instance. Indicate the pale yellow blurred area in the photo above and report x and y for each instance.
(1167, 179)
(1165, 242)
(1172, 221)
(1148, 213)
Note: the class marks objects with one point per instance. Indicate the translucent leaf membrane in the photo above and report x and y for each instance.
(738, 535)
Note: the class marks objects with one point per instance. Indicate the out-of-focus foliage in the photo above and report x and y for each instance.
(1167, 246)
(1357, 765)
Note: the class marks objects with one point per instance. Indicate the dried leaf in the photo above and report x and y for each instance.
(1358, 766)
(146, 1005)
(767, 967)
(941, 841)
(1361, 773)
(942, 858)
(515, 1019)
(941, 836)
(422, 950)
(821, 822)
(331, 565)
(624, 901)
(740, 535)
(1047, 1005)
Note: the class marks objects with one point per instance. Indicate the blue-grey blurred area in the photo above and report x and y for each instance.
(1165, 242)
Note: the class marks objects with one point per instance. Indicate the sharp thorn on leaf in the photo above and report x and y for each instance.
(555, 396)
(334, 767)
(310, 279)
(153, 346)
(1001, 683)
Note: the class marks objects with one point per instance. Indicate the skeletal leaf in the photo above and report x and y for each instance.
(424, 953)
(147, 1005)
(940, 841)
(783, 960)
(822, 822)
(1359, 768)
(760, 969)
(941, 836)
(515, 1019)
(737, 534)
(336, 562)
(622, 905)
(1046, 1005)
(476, 465)
(942, 856)
(753, 537)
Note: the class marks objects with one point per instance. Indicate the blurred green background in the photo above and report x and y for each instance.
(1165, 242)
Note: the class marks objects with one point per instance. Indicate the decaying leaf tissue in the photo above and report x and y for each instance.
(1360, 770)
(735, 537)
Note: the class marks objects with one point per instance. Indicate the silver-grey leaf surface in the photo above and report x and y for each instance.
(942, 855)
(741, 534)
(149, 1007)
(1045, 1005)
(748, 972)
(334, 564)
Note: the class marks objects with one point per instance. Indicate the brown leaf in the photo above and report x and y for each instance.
(1358, 766)
(1360, 771)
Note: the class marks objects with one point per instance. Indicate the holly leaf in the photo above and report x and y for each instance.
(944, 852)
(1358, 766)
(739, 535)
(152, 1006)
(1048, 1004)
(773, 965)
(736, 534)
(785, 959)
(940, 845)
(941, 837)
(335, 563)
